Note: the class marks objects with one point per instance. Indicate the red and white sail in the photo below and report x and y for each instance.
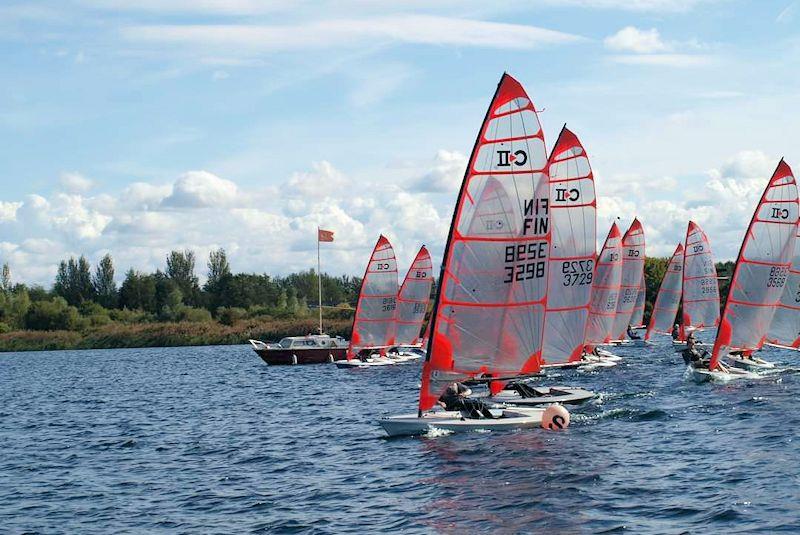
(573, 237)
(376, 311)
(412, 301)
(762, 268)
(490, 306)
(632, 273)
(700, 286)
(637, 318)
(785, 327)
(605, 290)
(665, 309)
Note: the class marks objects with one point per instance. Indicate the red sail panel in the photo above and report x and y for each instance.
(665, 309)
(489, 312)
(374, 321)
(761, 268)
(412, 301)
(700, 286)
(785, 327)
(605, 290)
(632, 273)
(573, 237)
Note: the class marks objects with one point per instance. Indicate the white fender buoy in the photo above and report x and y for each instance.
(294, 359)
(555, 417)
(330, 358)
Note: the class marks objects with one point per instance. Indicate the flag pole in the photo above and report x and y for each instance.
(319, 284)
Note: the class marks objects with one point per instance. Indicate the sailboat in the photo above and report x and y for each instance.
(573, 222)
(375, 318)
(489, 311)
(603, 305)
(633, 253)
(412, 303)
(700, 305)
(665, 309)
(759, 277)
(784, 332)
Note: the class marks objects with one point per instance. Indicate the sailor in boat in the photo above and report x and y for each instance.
(698, 358)
(676, 332)
(455, 399)
(632, 334)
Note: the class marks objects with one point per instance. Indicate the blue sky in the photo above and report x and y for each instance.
(138, 127)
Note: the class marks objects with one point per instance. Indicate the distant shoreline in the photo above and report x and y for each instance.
(166, 334)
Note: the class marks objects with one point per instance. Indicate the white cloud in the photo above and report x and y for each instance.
(664, 60)
(446, 174)
(75, 182)
(631, 39)
(8, 210)
(200, 188)
(410, 29)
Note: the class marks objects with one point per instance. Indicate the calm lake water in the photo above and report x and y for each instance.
(211, 440)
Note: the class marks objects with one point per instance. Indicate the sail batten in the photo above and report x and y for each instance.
(762, 268)
(374, 323)
(489, 310)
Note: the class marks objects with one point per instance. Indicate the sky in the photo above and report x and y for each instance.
(137, 127)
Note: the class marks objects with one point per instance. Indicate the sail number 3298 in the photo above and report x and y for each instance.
(525, 261)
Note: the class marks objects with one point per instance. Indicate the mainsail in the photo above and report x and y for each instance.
(412, 301)
(632, 273)
(374, 321)
(637, 318)
(669, 296)
(700, 286)
(605, 290)
(761, 268)
(490, 304)
(573, 231)
(785, 327)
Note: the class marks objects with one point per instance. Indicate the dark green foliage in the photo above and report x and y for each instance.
(55, 315)
(74, 281)
(105, 288)
(180, 271)
(138, 292)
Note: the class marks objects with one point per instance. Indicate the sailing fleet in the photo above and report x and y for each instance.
(522, 288)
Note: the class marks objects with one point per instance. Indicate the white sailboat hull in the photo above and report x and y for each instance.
(555, 394)
(452, 421)
(751, 364)
(702, 376)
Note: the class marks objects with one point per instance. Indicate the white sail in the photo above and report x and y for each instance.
(375, 318)
(632, 272)
(605, 290)
(700, 286)
(669, 296)
(762, 268)
(490, 307)
(573, 223)
(785, 327)
(412, 301)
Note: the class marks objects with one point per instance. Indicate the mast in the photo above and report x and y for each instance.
(319, 284)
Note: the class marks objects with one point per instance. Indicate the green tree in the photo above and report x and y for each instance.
(74, 281)
(105, 288)
(138, 292)
(180, 270)
(219, 275)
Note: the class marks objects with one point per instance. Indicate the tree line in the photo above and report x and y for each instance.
(81, 297)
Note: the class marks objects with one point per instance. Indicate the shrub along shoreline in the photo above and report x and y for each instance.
(167, 334)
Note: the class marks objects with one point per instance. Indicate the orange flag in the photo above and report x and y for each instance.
(324, 235)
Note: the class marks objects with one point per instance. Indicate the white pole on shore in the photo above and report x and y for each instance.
(319, 283)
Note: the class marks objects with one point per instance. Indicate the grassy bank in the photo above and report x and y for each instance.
(165, 334)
